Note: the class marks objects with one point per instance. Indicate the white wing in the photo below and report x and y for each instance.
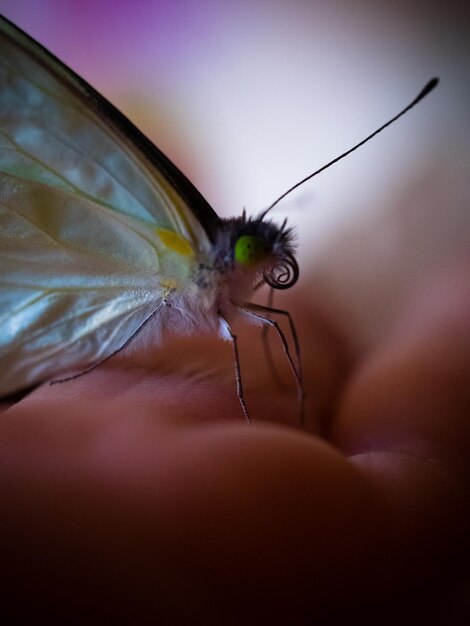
(81, 202)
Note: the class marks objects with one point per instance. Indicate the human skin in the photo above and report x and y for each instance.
(138, 493)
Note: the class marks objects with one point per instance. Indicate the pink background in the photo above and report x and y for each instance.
(248, 97)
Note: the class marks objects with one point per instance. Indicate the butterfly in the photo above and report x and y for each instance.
(101, 234)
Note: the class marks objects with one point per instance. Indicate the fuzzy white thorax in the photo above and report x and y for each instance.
(208, 294)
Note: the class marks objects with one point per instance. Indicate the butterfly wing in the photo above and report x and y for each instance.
(86, 204)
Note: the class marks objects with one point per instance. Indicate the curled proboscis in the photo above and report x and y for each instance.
(284, 274)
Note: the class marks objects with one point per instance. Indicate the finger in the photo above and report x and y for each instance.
(404, 422)
(193, 377)
(125, 514)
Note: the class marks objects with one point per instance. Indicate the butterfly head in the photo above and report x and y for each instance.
(259, 246)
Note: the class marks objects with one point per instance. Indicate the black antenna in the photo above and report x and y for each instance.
(424, 92)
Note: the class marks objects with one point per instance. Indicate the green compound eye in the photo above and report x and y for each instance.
(250, 250)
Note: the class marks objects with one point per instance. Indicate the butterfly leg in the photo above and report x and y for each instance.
(227, 331)
(268, 355)
(252, 309)
(271, 310)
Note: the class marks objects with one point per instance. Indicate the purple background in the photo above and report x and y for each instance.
(248, 97)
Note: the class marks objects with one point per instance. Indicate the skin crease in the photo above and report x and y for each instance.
(123, 500)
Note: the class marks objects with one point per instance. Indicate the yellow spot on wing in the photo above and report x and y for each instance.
(175, 242)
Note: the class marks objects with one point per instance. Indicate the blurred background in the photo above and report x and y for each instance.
(248, 97)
